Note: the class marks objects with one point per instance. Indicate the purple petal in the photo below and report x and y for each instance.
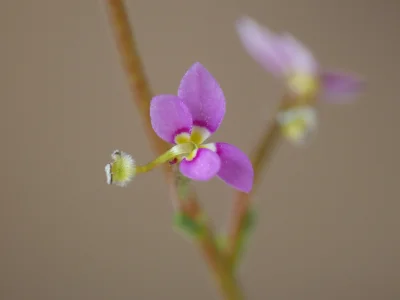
(203, 167)
(169, 116)
(203, 96)
(299, 57)
(340, 86)
(236, 168)
(262, 45)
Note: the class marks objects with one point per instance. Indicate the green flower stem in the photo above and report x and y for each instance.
(140, 88)
(167, 156)
(262, 155)
(241, 207)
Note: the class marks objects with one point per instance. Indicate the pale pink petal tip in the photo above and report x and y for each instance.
(264, 46)
(340, 86)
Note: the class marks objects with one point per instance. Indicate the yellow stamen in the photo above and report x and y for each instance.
(182, 138)
(199, 135)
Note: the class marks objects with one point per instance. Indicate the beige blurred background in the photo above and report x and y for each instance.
(329, 225)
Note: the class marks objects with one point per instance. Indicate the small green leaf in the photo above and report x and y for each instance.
(249, 221)
(191, 227)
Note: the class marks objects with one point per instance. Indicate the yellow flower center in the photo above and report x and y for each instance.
(303, 84)
(197, 137)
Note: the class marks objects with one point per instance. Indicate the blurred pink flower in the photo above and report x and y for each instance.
(288, 59)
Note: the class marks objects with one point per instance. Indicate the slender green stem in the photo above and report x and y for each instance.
(175, 151)
(262, 155)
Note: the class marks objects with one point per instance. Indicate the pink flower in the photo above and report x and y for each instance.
(288, 59)
(191, 117)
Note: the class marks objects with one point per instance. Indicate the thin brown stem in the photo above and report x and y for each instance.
(142, 96)
(226, 280)
(132, 64)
